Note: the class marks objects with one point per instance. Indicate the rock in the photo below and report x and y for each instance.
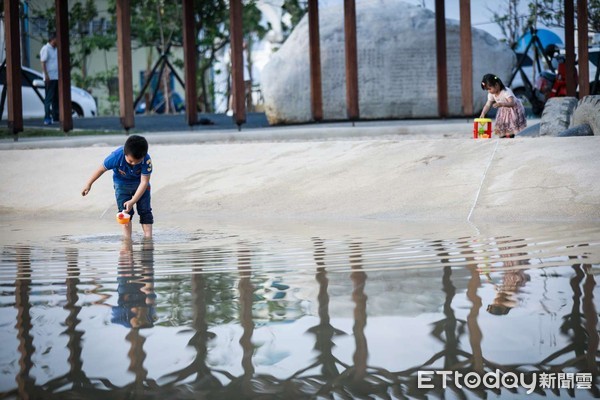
(579, 130)
(557, 115)
(396, 65)
(588, 112)
(530, 131)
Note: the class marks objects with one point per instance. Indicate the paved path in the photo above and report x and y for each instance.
(172, 129)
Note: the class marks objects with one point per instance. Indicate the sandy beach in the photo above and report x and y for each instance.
(441, 177)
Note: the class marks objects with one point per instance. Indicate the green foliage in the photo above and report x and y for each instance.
(82, 42)
(510, 21)
(296, 9)
(548, 12)
(156, 22)
(551, 13)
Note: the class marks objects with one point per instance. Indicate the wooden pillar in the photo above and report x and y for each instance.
(570, 47)
(316, 89)
(64, 65)
(125, 67)
(13, 67)
(466, 57)
(442, 68)
(237, 62)
(582, 45)
(351, 60)
(190, 59)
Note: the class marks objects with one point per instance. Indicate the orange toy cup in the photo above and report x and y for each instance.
(482, 128)
(123, 217)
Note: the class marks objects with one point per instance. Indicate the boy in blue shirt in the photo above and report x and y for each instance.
(132, 166)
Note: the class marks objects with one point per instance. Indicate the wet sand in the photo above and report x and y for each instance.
(444, 182)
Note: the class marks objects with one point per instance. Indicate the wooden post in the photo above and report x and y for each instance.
(13, 67)
(570, 48)
(442, 69)
(190, 59)
(125, 67)
(582, 45)
(237, 62)
(64, 66)
(316, 90)
(466, 57)
(351, 60)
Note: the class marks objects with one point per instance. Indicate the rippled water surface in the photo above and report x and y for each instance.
(214, 315)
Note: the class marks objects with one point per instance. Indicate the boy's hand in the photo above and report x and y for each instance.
(128, 205)
(86, 190)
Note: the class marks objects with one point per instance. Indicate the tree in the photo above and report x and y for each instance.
(84, 39)
(212, 25)
(551, 13)
(510, 21)
(296, 10)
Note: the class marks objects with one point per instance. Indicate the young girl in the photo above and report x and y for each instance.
(510, 118)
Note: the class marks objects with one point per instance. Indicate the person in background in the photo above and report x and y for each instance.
(510, 117)
(49, 59)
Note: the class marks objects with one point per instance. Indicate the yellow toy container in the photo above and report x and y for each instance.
(482, 128)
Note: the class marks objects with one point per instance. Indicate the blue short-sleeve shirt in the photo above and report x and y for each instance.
(124, 173)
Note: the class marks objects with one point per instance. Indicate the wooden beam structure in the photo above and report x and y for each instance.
(466, 57)
(314, 49)
(190, 60)
(582, 47)
(237, 62)
(13, 67)
(352, 109)
(125, 67)
(570, 48)
(64, 65)
(127, 112)
(442, 68)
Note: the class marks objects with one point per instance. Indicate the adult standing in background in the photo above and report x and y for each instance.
(49, 59)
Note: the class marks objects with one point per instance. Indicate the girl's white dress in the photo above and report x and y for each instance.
(509, 120)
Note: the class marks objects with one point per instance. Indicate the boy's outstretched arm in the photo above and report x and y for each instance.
(97, 174)
(144, 181)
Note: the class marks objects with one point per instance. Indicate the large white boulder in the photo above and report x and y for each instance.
(396, 65)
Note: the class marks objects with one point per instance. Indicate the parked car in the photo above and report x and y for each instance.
(82, 103)
(177, 104)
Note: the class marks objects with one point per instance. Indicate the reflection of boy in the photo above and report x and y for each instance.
(136, 302)
(504, 301)
(135, 307)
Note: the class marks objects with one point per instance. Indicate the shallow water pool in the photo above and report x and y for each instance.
(210, 314)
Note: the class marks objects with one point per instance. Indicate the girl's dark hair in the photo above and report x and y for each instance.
(136, 146)
(490, 80)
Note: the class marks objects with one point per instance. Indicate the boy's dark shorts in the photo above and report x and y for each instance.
(125, 192)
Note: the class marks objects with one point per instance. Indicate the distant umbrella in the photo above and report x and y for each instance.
(546, 37)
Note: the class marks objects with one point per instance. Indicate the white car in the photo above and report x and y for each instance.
(82, 103)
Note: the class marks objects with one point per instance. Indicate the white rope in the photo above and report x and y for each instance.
(482, 180)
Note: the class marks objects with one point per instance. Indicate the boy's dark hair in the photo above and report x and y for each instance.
(136, 146)
(51, 35)
(490, 80)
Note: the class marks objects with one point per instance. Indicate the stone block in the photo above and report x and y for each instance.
(397, 66)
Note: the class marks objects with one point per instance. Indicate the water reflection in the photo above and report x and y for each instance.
(337, 351)
(136, 303)
(25, 383)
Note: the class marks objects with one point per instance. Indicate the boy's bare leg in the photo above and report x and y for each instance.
(147, 228)
(127, 231)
